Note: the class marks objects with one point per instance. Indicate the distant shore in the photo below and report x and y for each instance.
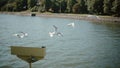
(101, 19)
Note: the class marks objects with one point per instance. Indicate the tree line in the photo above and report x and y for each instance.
(100, 7)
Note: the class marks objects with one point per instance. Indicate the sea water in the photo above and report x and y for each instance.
(87, 45)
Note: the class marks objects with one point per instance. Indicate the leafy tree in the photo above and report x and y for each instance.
(3, 3)
(76, 8)
(90, 4)
(8, 7)
(107, 6)
(41, 5)
(47, 5)
(55, 6)
(80, 7)
(116, 7)
(11, 1)
(95, 6)
(31, 3)
(62, 5)
(98, 7)
(21, 5)
(70, 4)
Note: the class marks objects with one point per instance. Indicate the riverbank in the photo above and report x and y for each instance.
(94, 18)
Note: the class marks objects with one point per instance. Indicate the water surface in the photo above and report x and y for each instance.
(87, 45)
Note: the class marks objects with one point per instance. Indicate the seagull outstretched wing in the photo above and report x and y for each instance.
(59, 34)
(55, 28)
(55, 32)
(51, 34)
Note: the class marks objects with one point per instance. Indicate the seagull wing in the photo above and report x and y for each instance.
(73, 24)
(51, 34)
(21, 36)
(15, 34)
(60, 34)
(69, 24)
(55, 28)
(25, 34)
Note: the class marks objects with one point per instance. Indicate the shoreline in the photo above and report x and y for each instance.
(93, 18)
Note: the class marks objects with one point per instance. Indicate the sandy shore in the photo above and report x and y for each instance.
(94, 18)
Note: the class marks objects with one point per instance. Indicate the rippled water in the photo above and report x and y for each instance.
(87, 45)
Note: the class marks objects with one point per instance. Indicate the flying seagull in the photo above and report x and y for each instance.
(59, 34)
(25, 34)
(55, 28)
(55, 32)
(51, 34)
(20, 35)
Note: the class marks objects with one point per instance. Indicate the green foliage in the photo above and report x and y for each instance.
(70, 4)
(63, 5)
(90, 4)
(15, 5)
(3, 3)
(116, 8)
(8, 7)
(76, 8)
(80, 7)
(55, 6)
(34, 9)
(98, 7)
(95, 6)
(108, 7)
(31, 3)
(47, 5)
(21, 5)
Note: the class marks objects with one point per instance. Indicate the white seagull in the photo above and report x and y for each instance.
(51, 34)
(20, 35)
(55, 32)
(25, 34)
(71, 24)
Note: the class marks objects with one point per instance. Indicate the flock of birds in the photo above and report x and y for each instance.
(55, 32)
(51, 34)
